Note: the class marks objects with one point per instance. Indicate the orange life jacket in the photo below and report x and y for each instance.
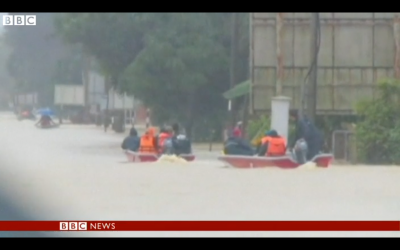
(276, 146)
(161, 140)
(265, 139)
(147, 142)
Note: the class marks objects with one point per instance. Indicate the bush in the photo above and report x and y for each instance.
(378, 132)
(256, 128)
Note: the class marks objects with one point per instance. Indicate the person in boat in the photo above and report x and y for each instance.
(300, 151)
(273, 145)
(178, 144)
(165, 134)
(132, 142)
(26, 114)
(45, 121)
(263, 146)
(311, 134)
(238, 130)
(235, 145)
(148, 142)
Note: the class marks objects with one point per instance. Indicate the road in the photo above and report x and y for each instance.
(79, 173)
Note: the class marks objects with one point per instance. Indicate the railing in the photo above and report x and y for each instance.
(342, 146)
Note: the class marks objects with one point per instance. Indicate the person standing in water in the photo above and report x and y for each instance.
(106, 121)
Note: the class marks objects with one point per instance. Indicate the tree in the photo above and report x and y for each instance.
(110, 37)
(36, 52)
(176, 63)
(184, 64)
(6, 82)
(378, 132)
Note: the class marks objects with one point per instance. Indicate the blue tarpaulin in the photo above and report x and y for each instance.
(45, 111)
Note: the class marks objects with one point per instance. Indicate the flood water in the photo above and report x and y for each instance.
(80, 173)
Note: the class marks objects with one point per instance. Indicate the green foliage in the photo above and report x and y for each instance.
(114, 39)
(183, 64)
(68, 70)
(176, 63)
(378, 133)
(257, 127)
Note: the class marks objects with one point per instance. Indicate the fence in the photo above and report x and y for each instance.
(343, 146)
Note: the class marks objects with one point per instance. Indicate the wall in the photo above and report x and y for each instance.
(120, 101)
(356, 50)
(26, 99)
(69, 95)
(96, 88)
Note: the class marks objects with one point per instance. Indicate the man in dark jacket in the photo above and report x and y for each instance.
(179, 143)
(132, 142)
(310, 133)
(235, 145)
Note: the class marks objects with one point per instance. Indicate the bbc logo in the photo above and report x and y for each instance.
(73, 226)
(19, 20)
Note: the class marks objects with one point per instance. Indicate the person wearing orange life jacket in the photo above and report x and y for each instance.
(274, 145)
(148, 142)
(263, 146)
(165, 134)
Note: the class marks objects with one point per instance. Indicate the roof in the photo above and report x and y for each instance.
(239, 90)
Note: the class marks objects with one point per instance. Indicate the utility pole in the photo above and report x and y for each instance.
(233, 81)
(107, 83)
(86, 79)
(279, 54)
(312, 86)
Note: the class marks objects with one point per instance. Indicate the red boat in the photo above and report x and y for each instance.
(322, 160)
(148, 157)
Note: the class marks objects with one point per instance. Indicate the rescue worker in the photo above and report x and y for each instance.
(300, 151)
(310, 133)
(165, 134)
(262, 147)
(148, 142)
(107, 121)
(235, 145)
(274, 145)
(132, 142)
(178, 144)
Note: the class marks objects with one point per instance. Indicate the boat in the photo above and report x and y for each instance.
(48, 127)
(150, 157)
(286, 162)
(26, 117)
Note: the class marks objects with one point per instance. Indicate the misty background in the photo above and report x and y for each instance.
(185, 59)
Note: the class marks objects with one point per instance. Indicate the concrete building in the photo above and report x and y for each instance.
(356, 50)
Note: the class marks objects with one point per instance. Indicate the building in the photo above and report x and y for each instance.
(356, 50)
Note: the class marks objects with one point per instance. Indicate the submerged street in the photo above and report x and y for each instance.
(80, 173)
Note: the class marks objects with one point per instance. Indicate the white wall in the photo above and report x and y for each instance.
(96, 88)
(69, 95)
(118, 101)
(28, 99)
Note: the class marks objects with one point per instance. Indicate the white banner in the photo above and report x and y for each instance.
(69, 95)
